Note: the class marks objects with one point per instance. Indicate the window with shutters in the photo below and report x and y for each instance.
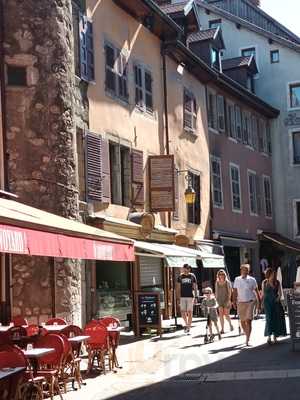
(267, 196)
(83, 45)
(217, 182)
(296, 204)
(212, 110)
(221, 113)
(238, 121)
(81, 170)
(269, 139)
(235, 182)
(231, 123)
(137, 176)
(120, 173)
(247, 137)
(116, 74)
(93, 145)
(253, 192)
(262, 136)
(143, 88)
(194, 210)
(189, 111)
(254, 129)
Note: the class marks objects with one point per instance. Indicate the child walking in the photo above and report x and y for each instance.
(211, 306)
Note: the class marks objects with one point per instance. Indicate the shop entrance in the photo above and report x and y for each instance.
(113, 290)
(233, 261)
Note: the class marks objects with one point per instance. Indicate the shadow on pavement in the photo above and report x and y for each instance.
(191, 385)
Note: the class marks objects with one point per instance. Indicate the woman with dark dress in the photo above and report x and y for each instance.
(275, 319)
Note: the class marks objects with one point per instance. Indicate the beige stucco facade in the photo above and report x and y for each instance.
(121, 121)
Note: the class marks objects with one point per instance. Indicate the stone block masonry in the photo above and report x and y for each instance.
(40, 119)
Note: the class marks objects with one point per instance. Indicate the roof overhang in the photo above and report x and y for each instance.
(182, 55)
(148, 13)
(281, 241)
(190, 13)
(248, 25)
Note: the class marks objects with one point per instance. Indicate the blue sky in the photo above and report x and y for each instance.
(286, 12)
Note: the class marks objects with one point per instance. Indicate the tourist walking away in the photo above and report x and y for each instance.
(245, 295)
(223, 291)
(211, 310)
(272, 294)
(186, 291)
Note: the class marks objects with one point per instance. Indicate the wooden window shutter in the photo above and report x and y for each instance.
(90, 51)
(93, 167)
(83, 47)
(148, 91)
(176, 193)
(258, 194)
(138, 78)
(105, 173)
(110, 75)
(137, 174)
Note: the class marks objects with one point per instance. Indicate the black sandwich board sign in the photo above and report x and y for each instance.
(148, 313)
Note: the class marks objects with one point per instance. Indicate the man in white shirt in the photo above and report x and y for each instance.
(245, 293)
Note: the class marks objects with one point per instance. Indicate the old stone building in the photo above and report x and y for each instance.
(43, 100)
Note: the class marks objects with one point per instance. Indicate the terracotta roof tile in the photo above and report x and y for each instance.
(173, 8)
(235, 62)
(202, 35)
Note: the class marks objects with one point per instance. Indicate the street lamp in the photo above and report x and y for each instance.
(189, 194)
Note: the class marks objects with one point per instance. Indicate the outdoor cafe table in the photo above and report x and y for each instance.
(11, 375)
(34, 354)
(55, 328)
(76, 343)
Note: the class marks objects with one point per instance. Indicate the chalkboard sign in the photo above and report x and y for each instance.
(293, 301)
(148, 311)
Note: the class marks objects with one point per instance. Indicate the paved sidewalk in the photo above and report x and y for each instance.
(178, 364)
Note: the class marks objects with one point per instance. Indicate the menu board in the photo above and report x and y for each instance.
(148, 310)
(293, 301)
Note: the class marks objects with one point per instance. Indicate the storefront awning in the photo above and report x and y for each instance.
(281, 241)
(177, 256)
(30, 231)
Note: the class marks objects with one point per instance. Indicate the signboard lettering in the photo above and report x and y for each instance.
(162, 186)
(148, 311)
(13, 241)
(103, 252)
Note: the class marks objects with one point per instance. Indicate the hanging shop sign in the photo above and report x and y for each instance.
(162, 188)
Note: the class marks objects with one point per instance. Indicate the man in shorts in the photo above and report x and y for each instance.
(245, 294)
(186, 291)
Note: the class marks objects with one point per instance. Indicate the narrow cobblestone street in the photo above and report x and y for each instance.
(179, 364)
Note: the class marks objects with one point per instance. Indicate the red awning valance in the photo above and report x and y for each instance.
(19, 240)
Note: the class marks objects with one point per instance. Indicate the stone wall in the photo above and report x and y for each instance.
(41, 123)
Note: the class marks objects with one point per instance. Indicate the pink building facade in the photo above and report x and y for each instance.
(240, 137)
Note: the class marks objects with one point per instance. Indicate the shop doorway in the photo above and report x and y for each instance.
(113, 294)
(233, 261)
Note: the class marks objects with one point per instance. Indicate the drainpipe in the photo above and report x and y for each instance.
(165, 88)
(5, 267)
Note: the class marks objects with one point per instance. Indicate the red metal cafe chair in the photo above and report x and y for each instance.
(50, 366)
(98, 346)
(70, 366)
(19, 321)
(17, 335)
(57, 321)
(114, 337)
(32, 330)
(26, 386)
(72, 331)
